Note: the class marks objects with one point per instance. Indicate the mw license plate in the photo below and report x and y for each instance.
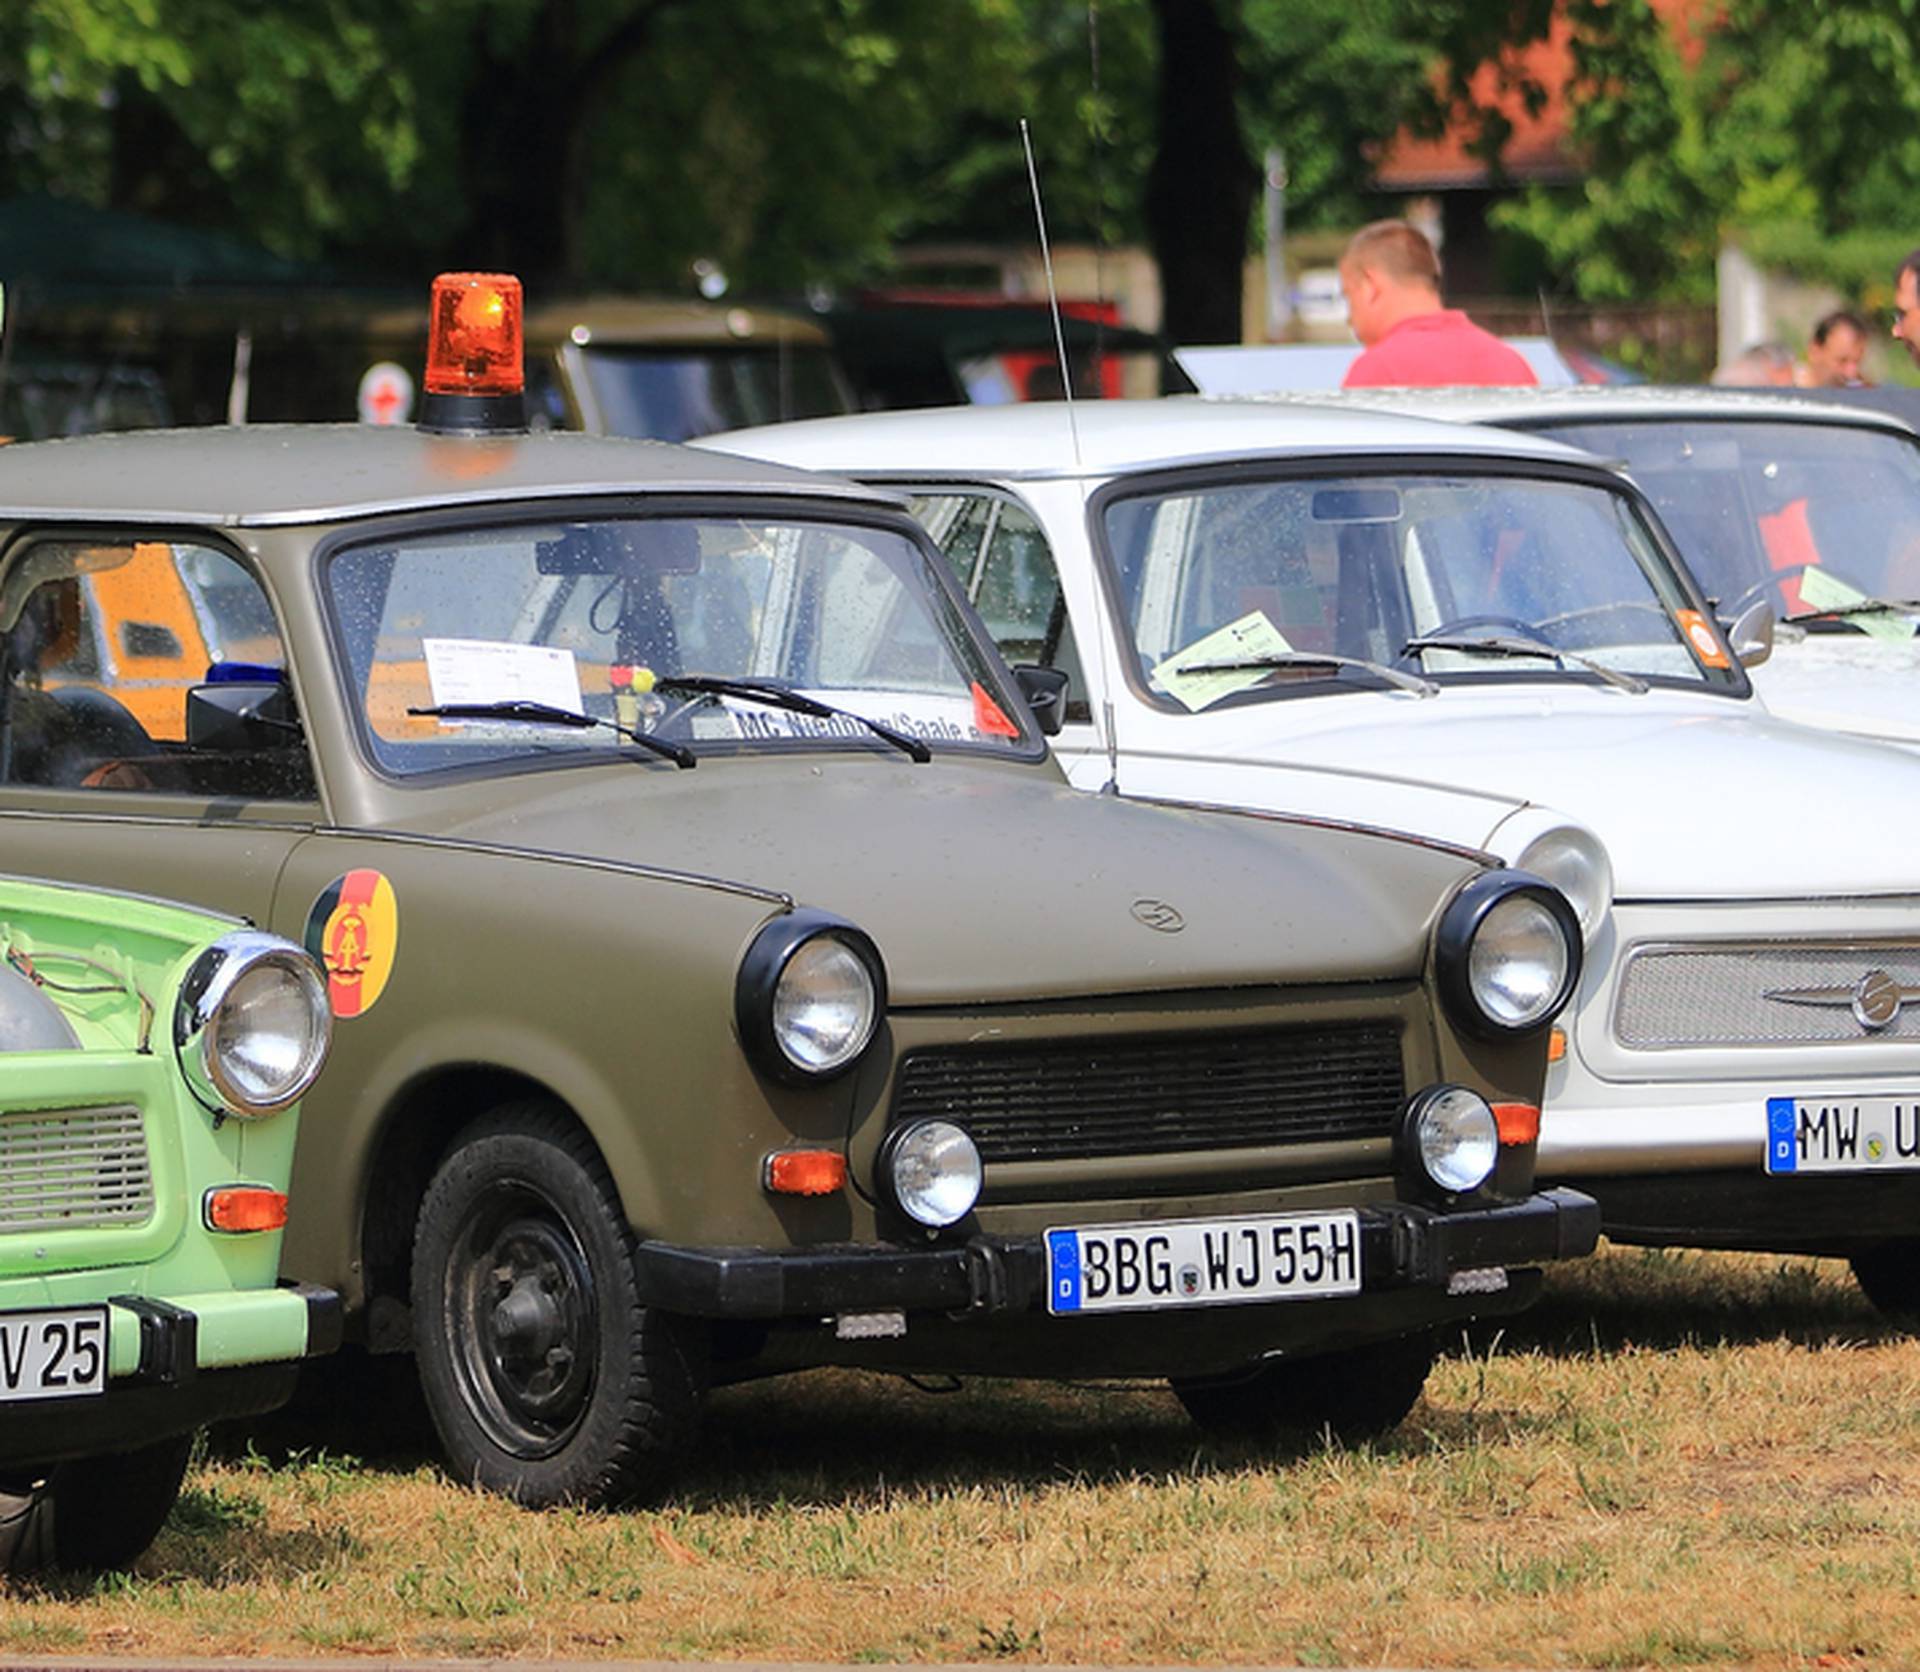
(1203, 1262)
(53, 1355)
(1843, 1134)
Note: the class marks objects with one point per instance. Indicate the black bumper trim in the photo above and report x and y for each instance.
(326, 1317)
(169, 1340)
(1403, 1246)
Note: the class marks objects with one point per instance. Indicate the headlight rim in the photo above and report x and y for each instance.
(217, 969)
(1460, 923)
(890, 1145)
(1580, 838)
(758, 978)
(1412, 1159)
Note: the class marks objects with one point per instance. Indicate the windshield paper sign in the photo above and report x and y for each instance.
(1184, 675)
(493, 671)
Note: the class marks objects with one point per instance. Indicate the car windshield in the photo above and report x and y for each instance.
(595, 622)
(1810, 516)
(677, 394)
(1241, 590)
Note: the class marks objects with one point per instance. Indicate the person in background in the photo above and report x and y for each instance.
(1835, 351)
(1390, 277)
(1761, 365)
(1906, 304)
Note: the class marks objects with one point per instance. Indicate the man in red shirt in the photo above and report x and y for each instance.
(1391, 279)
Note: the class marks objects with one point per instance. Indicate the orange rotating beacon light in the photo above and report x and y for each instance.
(476, 380)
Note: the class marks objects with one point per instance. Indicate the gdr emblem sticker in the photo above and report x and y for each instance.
(354, 930)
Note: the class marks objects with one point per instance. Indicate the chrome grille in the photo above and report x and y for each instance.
(1677, 996)
(1181, 1092)
(73, 1169)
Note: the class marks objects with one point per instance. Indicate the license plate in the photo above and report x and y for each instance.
(53, 1355)
(1203, 1262)
(1843, 1134)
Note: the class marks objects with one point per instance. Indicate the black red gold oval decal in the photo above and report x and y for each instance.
(354, 930)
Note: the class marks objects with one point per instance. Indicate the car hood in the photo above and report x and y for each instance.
(1696, 797)
(1845, 682)
(988, 883)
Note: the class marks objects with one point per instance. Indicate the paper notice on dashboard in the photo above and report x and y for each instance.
(491, 670)
(1820, 589)
(1225, 661)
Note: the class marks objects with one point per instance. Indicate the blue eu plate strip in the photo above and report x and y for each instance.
(1063, 1271)
(1782, 1152)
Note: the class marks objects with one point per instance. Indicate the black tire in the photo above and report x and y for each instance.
(92, 1513)
(1889, 1276)
(547, 1380)
(1358, 1393)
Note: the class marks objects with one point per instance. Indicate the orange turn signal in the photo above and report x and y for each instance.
(1517, 1123)
(473, 335)
(245, 1207)
(805, 1172)
(1557, 1045)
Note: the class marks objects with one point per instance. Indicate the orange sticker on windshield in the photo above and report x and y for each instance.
(354, 930)
(1701, 637)
(989, 717)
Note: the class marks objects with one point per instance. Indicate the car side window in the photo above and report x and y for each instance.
(109, 656)
(1001, 557)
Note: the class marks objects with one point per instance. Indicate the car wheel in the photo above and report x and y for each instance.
(1889, 1275)
(1357, 1393)
(92, 1513)
(547, 1380)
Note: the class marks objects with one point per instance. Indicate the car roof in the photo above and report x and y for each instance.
(1101, 438)
(262, 475)
(1611, 403)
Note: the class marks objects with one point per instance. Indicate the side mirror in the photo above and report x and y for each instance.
(1750, 633)
(1046, 692)
(235, 717)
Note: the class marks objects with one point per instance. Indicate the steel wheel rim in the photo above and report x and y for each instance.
(523, 1316)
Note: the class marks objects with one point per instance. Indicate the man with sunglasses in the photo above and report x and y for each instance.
(1906, 304)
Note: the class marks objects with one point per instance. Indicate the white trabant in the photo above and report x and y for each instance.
(1484, 639)
(1800, 519)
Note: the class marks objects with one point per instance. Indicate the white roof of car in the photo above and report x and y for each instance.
(1599, 403)
(1105, 438)
(1256, 368)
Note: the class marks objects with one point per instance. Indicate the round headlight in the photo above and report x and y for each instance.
(823, 1011)
(1455, 1137)
(933, 1172)
(1576, 863)
(252, 1026)
(1507, 954)
(809, 997)
(1517, 966)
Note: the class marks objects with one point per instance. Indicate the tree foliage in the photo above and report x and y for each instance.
(1791, 125)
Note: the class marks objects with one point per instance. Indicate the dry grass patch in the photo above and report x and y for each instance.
(1676, 1460)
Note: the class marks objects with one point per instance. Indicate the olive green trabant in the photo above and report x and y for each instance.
(725, 979)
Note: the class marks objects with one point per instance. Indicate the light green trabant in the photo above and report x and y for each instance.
(150, 1060)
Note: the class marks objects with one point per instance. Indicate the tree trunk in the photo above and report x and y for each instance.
(1201, 186)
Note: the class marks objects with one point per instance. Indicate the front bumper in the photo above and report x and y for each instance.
(1403, 1247)
(176, 1365)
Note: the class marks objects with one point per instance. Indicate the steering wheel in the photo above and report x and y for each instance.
(1619, 606)
(1527, 629)
(1730, 611)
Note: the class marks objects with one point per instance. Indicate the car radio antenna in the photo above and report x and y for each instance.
(1053, 292)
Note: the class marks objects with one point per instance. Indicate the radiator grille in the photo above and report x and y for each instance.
(1185, 1092)
(72, 1169)
(1673, 997)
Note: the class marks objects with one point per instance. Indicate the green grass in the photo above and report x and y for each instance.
(1677, 1460)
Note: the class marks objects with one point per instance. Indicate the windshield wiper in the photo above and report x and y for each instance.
(1865, 606)
(778, 696)
(1527, 647)
(546, 714)
(1395, 677)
